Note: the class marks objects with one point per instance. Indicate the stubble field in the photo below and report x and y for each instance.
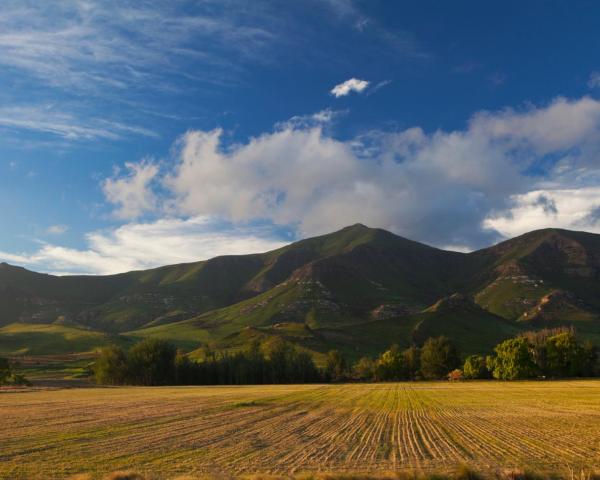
(225, 431)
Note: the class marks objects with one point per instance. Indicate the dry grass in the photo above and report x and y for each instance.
(303, 430)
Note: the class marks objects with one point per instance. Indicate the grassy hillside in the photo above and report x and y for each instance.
(358, 289)
(39, 339)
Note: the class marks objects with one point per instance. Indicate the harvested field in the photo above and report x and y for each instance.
(290, 429)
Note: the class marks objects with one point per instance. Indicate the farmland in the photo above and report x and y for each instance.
(170, 431)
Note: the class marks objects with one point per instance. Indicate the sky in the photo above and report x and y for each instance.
(138, 134)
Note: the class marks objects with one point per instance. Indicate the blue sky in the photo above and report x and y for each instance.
(134, 134)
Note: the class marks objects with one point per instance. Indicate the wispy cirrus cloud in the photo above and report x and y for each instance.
(109, 44)
(68, 125)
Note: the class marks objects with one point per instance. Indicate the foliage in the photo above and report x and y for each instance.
(390, 365)
(152, 362)
(475, 367)
(514, 360)
(456, 375)
(336, 368)
(5, 371)
(438, 357)
(111, 366)
(8, 376)
(156, 362)
(364, 369)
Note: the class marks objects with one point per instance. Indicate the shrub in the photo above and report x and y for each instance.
(456, 375)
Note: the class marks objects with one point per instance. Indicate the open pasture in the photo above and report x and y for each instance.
(226, 431)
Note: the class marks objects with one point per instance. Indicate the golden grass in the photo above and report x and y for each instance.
(301, 430)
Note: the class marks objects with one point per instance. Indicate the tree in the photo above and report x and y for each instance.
(152, 362)
(438, 357)
(565, 357)
(364, 369)
(514, 360)
(111, 366)
(412, 362)
(390, 365)
(475, 367)
(336, 367)
(591, 366)
(5, 371)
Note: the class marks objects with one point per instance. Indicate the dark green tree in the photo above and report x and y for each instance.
(336, 367)
(438, 357)
(565, 357)
(5, 371)
(412, 362)
(152, 362)
(111, 366)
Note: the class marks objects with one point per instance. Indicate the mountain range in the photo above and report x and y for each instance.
(358, 289)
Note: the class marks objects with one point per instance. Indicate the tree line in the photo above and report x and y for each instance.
(544, 354)
(157, 362)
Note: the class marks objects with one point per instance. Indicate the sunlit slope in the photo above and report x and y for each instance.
(356, 289)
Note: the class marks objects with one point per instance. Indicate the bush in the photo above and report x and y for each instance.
(456, 375)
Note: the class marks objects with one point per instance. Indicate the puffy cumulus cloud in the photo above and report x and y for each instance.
(132, 193)
(562, 125)
(352, 85)
(135, 246)
(443, 188)
(573, 208)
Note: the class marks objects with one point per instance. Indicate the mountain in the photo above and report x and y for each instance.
(358, 289)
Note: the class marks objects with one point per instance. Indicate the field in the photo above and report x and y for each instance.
(173, 431)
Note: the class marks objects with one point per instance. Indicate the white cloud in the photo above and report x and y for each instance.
(352, 85)
(116, 45)
(132, 193)
(570, 209)
(57, 229)
(137, 246)
(506, 173)
(594, 80)
(68, 125)
(318, 119)
(439, 187)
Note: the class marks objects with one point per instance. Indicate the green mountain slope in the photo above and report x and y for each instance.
(358, 289)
